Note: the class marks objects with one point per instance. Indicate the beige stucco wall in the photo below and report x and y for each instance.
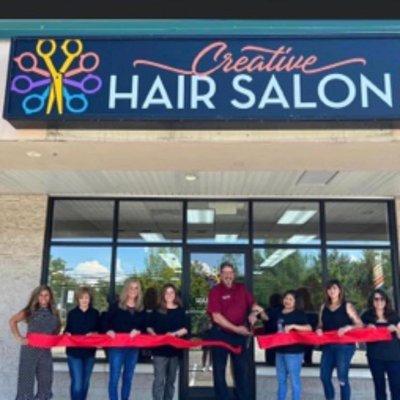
(22, 226)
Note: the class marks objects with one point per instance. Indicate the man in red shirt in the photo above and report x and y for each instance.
(231, 308)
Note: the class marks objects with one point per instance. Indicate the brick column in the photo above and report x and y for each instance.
(22, 226)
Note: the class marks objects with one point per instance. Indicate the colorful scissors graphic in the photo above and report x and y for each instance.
(56, 79)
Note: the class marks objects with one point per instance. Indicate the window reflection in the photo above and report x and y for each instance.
(150, 221)
(286, 222)
(154, 266)
(83, 220)
(360, 271)
(71, 267)
(360, 223)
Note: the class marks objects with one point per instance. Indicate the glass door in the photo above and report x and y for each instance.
(197, 379)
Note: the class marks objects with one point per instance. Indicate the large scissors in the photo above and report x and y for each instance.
(56, 90)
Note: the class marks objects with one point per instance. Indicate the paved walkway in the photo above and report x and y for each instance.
(362, 388)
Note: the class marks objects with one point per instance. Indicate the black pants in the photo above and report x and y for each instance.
(380, 368)
(240, 374)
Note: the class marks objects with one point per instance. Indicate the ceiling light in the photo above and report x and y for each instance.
(224, 238)
(279, 255)
(33, 154)
(190, 177)
(152, 237)
(300, 239)
(200, 216)
(296, 217)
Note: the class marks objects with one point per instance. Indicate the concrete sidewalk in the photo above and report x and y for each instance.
(361, 383)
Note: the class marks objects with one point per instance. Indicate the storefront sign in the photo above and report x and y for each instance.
(61, 81)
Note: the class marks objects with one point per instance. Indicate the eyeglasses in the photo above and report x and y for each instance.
(379, 299)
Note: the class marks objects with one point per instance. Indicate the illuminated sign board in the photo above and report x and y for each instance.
(76, 82)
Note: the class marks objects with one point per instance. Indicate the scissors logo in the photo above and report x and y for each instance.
(60, 91)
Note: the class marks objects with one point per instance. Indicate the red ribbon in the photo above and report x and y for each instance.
(123, 340)
(329, 337)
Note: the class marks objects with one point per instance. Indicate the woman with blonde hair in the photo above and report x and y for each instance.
(41, 316)
(125, 316)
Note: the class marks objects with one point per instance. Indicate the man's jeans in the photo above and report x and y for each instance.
(336, 356)
(80, 370)
(240, 372)
(289, 365)
(121, 358)
(378, 370)
(165, 370)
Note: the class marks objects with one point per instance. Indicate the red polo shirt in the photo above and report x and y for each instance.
(233, 303)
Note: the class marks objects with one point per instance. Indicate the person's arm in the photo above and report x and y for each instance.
(352, 313)
(13, 322)
(220, 320)
(319, 331)
(298, 327)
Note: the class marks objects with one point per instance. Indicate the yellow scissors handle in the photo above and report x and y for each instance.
(71, 55)
(47, 55)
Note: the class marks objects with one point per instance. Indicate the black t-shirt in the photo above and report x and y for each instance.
(166, 321)
(81, 323)
(387, 351)
(124, 321)
(297, 317)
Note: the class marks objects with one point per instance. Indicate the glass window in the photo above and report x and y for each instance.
(279, 270)
(360, 271)
(286, 222)
(83, 220)
(360, 223)
(71, 267)
(219, 222)
(154, 266)
(150, 221)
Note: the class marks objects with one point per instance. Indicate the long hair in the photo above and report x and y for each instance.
(33, 303)
(124, 295)
(177, 300)
(387, 311)
(342, 297)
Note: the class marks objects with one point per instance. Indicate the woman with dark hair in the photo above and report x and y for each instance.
(41, 316)
(383, 357)
(81, 320)
(337, 314)
(289, 358)
(168, 319)
(125, 316)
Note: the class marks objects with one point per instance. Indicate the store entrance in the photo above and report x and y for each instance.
(203, 266)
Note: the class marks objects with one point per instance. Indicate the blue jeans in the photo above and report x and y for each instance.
(118, 358)
(336, 356)
(80, 370)
(378, 370)
(289, 365)
(240, 372)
